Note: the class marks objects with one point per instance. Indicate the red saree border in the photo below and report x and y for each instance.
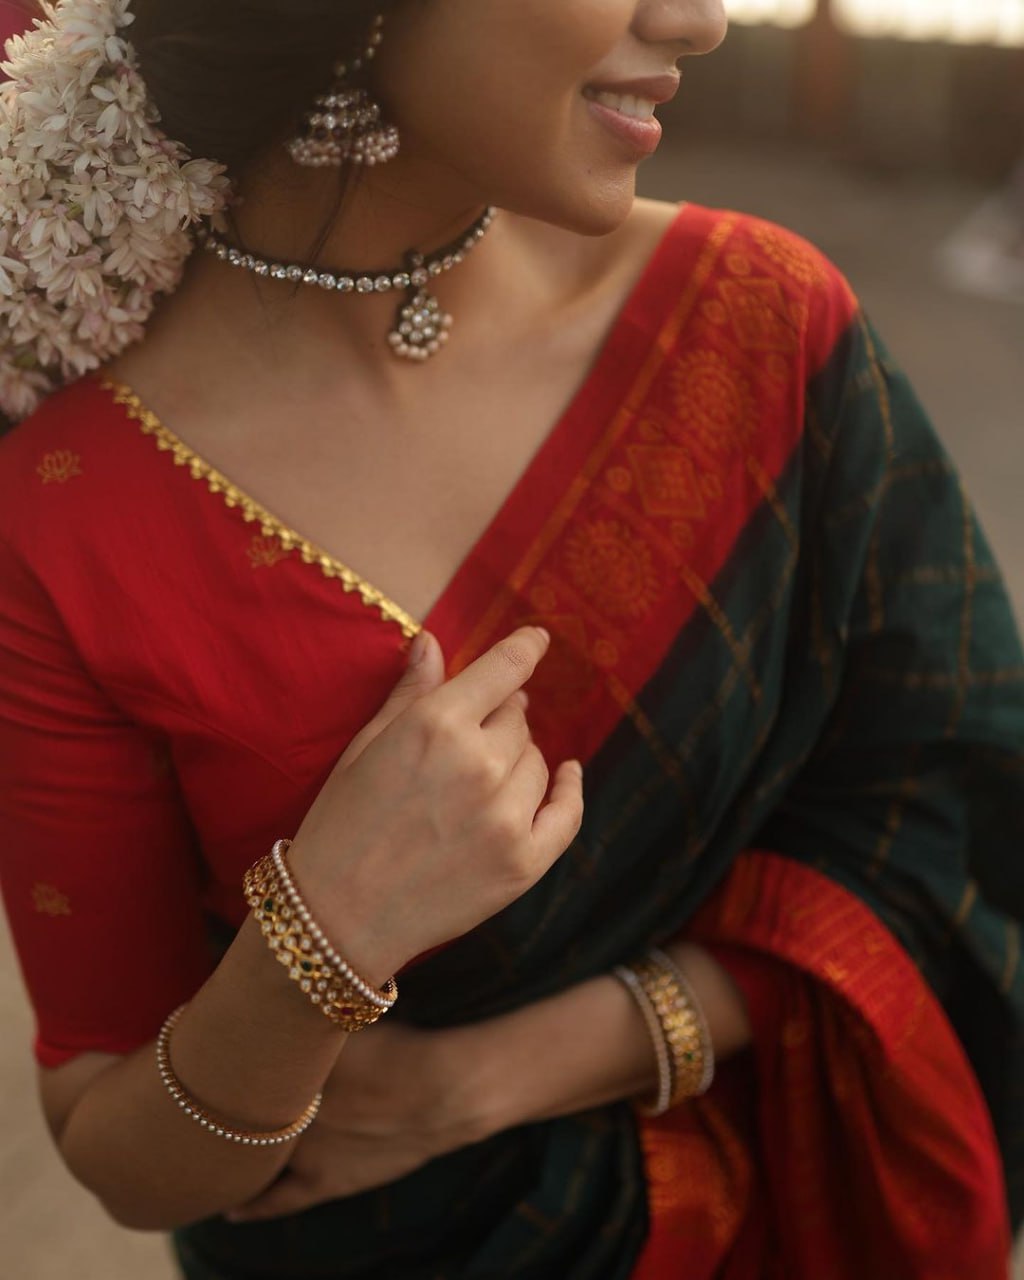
(615, 536)
(871, 1150)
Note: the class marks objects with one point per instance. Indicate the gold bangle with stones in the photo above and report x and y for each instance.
(663, 1097)
(683, 1025)
(302, 947)
(706, 1074)
(202, 1117)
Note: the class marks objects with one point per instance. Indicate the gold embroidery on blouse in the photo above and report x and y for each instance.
(59, 467)
(270, 525)
(264, 553)
(50, 901)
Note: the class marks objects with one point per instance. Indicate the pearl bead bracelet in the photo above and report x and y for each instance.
(202, 1117)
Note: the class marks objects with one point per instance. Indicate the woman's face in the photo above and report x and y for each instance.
(498, 96)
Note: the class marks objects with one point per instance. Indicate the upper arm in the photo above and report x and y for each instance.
(61, 1088)
(100, 870)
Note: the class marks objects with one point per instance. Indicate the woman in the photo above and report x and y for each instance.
(778, 645)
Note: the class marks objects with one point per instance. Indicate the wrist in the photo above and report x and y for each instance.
(584, 1048)
(720, 998)
(346, 922)
(487, 1094)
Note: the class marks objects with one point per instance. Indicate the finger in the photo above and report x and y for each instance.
(289, 1194)
(419, 678)
(485, 684)
(528, 783)
(558, 823)
(508, 731)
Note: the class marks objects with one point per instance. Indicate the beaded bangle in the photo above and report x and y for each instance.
(683, 1029)
(244, 1137)
(663, 1097)
(300, 944)
(707, 1053)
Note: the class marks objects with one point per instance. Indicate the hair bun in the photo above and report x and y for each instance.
(95, 201)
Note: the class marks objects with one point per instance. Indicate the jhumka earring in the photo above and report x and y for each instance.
(345, 125)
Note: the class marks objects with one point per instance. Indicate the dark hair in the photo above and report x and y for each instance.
(230, 75)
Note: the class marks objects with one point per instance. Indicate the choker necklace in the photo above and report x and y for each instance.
(421, 328)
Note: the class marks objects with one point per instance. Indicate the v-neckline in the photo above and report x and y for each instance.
(616, 359)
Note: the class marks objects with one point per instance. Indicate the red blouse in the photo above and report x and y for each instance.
(180, 671)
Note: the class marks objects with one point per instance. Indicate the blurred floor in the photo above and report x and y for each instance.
(966, 357)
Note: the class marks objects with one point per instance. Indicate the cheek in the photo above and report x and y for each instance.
(573, 35)
(493, 90)
(450, 58)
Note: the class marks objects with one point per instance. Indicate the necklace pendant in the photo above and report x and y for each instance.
(421, 329)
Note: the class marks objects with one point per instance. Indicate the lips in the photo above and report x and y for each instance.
(625, 108)
(650, 89)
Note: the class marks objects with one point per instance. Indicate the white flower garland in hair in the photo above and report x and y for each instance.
(95, 201)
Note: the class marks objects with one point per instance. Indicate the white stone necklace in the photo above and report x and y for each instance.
(421, 328)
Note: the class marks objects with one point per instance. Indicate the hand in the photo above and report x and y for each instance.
(434, 818)
(396, 1099)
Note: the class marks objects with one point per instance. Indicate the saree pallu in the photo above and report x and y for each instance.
(785, 655)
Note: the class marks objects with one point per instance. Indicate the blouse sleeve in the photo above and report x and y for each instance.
(99, 866)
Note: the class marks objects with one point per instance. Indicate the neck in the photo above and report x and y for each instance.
(292, 216)
(234, 320)
(286, 210)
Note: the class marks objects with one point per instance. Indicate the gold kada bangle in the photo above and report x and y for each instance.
(678, 1028)
(303, 948)
(683, 1025)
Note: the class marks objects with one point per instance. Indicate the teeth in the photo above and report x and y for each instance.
(626, 104)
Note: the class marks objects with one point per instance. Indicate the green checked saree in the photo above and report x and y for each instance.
(785, 655)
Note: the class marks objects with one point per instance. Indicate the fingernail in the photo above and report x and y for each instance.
(418, 651)
(544, 634)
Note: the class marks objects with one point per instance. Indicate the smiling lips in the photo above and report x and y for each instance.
(627, 109)
(625, 103)
(629, 95)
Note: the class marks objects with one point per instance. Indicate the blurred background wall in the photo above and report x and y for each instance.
(884, 130)
(890, 85)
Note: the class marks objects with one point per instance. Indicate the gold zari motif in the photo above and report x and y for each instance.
(59, 467)
(49, 901)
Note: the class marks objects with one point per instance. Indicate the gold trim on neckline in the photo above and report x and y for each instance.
(253, 512)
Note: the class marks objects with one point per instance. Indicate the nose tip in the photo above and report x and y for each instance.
(690, 26)
(706, 25)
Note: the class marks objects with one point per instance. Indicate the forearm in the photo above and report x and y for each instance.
(252, 1050)
(589, 1046)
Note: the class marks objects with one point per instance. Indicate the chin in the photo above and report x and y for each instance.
(589, 208)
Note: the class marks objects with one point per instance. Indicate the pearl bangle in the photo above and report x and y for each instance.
(244, 1137)
(663, 1097)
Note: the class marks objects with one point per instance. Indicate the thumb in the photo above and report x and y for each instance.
(424, 672)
